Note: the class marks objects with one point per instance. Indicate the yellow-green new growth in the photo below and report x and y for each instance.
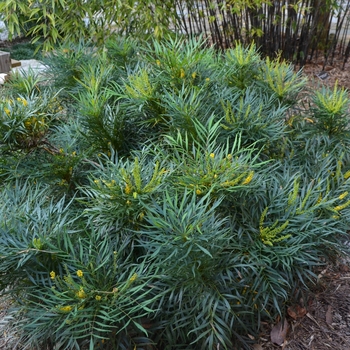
(293, 195)
(140, 86)
(335, 102)
(231, 117)
(301, 210)
(269, 235)
(280, 77)
(156, 179)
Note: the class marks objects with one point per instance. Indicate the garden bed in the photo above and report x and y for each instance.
(322, 319)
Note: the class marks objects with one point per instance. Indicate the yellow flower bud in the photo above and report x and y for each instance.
(66, 308)
(182, 73)
(81, 294)
(133, 277)
(249, 178)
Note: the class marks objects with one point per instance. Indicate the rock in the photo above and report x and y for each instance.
(27, 65)
(3, 78)
(3, 31)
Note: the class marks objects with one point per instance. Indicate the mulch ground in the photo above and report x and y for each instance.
(322, 321)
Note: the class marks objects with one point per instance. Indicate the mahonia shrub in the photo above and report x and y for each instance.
(160, 195)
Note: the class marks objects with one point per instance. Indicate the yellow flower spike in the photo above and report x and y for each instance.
(158, 63)
(80, 273)
(7, 111)
(194, 74)
(128, 202)
(343, 195)
(133, 277)
(343, 206)
(249, 178)
(52, 275)
(229, 156)
(347, 175)
(207, 80)
(98, 297)
(127, 189)
(212, 155)
(74, 153)
(198, 191)
(25, 103)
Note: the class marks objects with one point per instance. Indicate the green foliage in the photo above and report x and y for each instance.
(24, 82)
(58, 20)
(120, 191)
(330, 111)
(24, 51)
(162, 195)
(25, 121)
(242, 65)
(281, 79)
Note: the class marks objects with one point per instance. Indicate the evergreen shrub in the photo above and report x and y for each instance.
(164, 196)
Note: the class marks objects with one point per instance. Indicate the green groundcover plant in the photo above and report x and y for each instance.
(165, 196)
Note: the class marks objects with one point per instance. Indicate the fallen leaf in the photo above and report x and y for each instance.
(329, 316)
(257, 347)
(301, 311)
(279, 332)
(296, 311)
(292, 313)
(344, 268)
